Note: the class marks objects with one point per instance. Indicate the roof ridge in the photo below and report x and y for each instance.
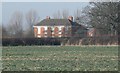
(53, 22)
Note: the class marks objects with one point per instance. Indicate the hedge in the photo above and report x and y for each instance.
(111, 40)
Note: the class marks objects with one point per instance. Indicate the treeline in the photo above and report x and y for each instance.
(103, 16)
(19, 25)
(96, 40)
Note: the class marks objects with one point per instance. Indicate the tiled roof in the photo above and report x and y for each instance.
(54, 22)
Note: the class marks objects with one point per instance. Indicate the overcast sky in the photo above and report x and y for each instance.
(7, 7)
(43, 8)
(46, 0)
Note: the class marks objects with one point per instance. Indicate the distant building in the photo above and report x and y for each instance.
(59, 28)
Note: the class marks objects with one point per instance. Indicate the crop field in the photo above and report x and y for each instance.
(60, 58)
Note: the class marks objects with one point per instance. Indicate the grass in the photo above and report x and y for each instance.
(60, 58)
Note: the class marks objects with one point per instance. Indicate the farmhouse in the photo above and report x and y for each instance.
(59, 28)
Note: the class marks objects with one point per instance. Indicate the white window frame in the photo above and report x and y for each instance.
(38, 30)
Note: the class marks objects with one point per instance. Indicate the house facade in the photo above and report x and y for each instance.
(58, 28)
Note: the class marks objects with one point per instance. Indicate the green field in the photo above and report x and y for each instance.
(60, 58)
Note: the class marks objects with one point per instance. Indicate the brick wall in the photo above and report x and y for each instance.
(35, 31)
(42, 33)
(56, 32)
(49, 32)
(63, 31)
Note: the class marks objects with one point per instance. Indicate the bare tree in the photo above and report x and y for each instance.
(81, 17)
(0, 35)
(65, 14)
(104, 17)
(77, 14)
(15, 25)
(0, 30)
(3, 31)
(32, 18)
(57, 15)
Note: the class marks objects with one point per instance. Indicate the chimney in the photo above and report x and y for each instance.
(47, 17)
(70, 18)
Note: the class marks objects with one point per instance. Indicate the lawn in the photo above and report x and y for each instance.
(60, 58)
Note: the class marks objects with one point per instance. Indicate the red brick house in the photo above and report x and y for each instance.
(59, 28)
